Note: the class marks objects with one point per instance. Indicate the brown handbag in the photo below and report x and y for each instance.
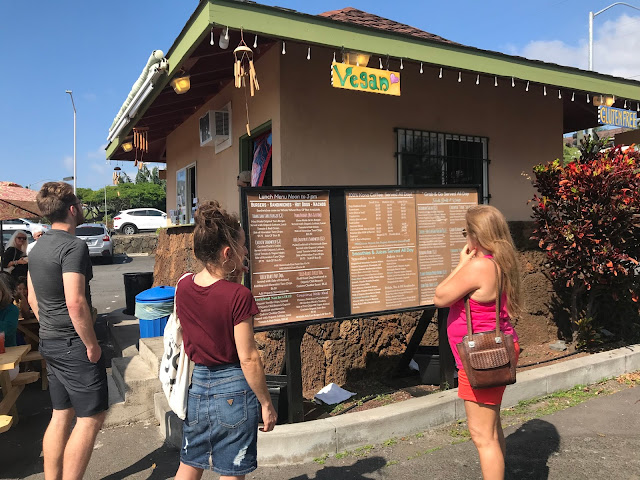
(488, 358)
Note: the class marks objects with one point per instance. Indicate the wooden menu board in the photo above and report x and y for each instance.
(290, 256)
(402, 243)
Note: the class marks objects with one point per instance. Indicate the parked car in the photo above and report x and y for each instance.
(137, 219)
(98, 240)
(21, 224)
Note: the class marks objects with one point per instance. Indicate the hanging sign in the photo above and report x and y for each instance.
(617, 117)
(351, 77)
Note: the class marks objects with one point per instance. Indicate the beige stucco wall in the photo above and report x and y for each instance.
(338, 137)
(216, 173)
(328, 136)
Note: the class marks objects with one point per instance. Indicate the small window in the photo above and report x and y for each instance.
(154, 213)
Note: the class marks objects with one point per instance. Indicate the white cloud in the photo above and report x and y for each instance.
(615, 48)
(67, 161)
(99, 153)
(100, 168)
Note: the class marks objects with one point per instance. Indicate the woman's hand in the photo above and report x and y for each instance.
(269, 418)
(466, 255)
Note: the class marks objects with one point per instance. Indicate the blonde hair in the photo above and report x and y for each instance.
(487, 225)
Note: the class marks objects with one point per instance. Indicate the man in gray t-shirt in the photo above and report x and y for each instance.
(58, 281)
(57, 252)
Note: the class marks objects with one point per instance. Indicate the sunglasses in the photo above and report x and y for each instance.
(21, 238)
(464, 232)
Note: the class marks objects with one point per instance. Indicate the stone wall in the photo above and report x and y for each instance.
(139, 243)
(336, 351)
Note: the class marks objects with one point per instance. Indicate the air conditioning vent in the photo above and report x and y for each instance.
(215, 128)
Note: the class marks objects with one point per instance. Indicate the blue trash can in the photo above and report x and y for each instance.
(153, 308)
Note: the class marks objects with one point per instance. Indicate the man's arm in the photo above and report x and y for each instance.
(74, 294)
(33, 301)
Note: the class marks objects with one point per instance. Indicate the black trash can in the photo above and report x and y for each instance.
(135, 283)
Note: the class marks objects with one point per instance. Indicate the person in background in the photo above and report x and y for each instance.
(8, 317)
(489, 253)
(8, 312)
(15, 258)
(60, 296)
(22, 298)
(228, 384)
(37, 231)
(244, 179)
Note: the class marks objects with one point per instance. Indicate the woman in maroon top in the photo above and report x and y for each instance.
(228, 385)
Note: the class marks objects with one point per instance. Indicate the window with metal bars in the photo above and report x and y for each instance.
(433, 158)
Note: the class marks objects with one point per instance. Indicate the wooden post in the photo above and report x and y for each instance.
(293, 340)
(414, 342)
(447, 362)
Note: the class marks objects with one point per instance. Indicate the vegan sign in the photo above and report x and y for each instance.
(618, 117)
(365, 79)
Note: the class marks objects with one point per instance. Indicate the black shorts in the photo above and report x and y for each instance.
(75, 382)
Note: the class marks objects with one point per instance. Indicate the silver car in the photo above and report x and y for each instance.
(98, 240)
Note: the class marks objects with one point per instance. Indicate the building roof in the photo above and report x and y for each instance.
(365, 19)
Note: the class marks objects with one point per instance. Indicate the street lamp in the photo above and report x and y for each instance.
(74, 139)
(591, 17)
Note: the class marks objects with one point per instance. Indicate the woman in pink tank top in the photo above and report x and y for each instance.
(489, 243)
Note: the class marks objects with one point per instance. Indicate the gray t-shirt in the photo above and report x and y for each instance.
(55, 253)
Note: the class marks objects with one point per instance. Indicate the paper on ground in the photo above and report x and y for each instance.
(332, 394)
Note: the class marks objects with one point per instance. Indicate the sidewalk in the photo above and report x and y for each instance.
(596, 439)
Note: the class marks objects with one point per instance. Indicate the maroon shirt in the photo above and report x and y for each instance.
(208, 315)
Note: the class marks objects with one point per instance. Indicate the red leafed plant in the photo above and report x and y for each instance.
(587, 214)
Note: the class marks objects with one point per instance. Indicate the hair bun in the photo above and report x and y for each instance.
(207, 212)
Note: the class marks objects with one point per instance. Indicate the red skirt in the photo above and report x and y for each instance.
(488, 396)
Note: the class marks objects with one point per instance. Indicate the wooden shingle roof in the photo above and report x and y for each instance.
(359, 17)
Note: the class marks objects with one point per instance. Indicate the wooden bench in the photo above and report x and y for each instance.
(25, 378)
(5, 423)
(35, 356)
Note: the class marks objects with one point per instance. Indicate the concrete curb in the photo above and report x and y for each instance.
(298, 443)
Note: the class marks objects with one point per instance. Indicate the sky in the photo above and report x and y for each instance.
(98, 49)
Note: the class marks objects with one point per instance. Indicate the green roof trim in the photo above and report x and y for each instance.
(290, 25)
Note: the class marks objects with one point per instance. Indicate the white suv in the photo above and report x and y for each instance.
(136, 219)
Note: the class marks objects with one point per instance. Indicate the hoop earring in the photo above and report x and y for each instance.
(234, 266)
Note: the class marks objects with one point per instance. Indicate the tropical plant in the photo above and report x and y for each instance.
(586, 216)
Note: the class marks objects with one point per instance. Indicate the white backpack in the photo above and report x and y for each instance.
(175, 367)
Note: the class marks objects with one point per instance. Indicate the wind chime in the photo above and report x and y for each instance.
(243, 71)
(141, 144)
(116, 175)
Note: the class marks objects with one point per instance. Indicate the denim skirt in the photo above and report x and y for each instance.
(220, 431)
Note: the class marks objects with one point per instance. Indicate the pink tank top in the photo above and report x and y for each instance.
(483, 318)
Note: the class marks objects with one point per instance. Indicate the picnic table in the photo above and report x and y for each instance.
(28, 330)
(11, 390)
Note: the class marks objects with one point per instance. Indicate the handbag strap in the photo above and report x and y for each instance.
(467, 307)
(175, 295)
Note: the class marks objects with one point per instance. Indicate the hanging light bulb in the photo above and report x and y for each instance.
(459, 77)
(638, 107)
(284, 48)
(440, 76)
(309, 53)
(573, 97)
(545, 90)
(421, 69)
(513, 82)
(588, 101)
(212, 41)
(401, 65)
(527, 89)
(625, 104)
(559, 94)
(224, 40)
(255, 41)
(380, 63)
(495, 81)
(478, 80)
(334, 57)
